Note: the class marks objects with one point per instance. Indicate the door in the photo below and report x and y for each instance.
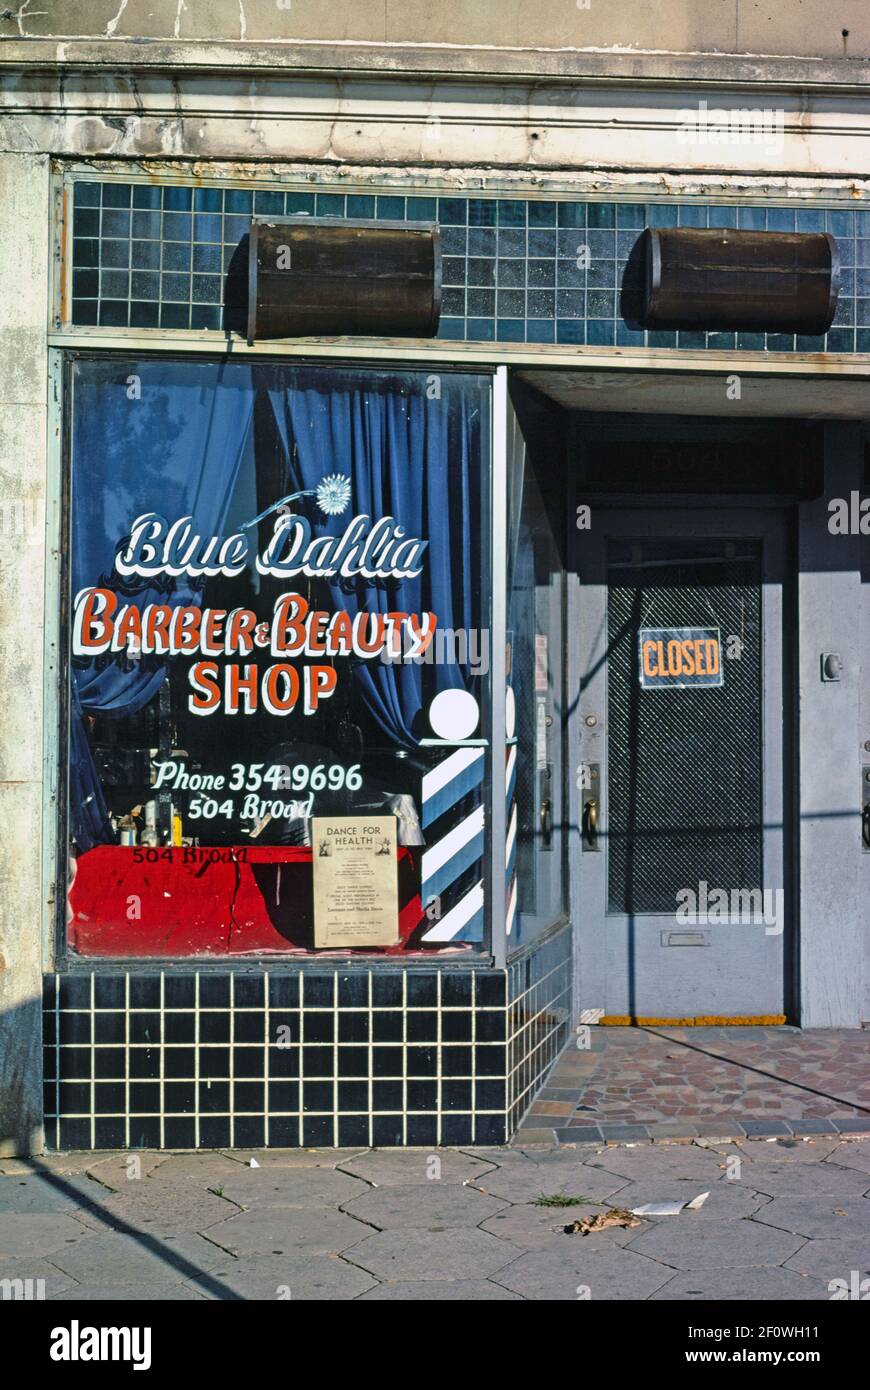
(681, 907)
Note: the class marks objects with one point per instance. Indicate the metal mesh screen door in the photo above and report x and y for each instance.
(684, 761)
(682, 716)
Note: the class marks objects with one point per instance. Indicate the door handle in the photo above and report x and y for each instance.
(546, 823)
(590, 823)
(865, 825)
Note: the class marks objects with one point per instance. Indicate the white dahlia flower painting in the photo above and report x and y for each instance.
(333, 494)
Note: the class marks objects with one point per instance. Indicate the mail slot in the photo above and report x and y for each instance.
(685, 938)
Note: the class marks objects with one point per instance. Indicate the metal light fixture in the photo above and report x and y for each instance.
(325, 277)
(722, 279)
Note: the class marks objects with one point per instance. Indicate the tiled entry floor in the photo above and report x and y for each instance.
(669, 1083)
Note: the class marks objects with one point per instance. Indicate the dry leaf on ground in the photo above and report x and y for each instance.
(616, 1216)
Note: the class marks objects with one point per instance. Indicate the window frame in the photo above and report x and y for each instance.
(56, 710)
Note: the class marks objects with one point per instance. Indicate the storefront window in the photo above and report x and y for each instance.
(278, 663)
(536, 837)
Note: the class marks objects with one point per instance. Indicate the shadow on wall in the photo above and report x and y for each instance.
(21, 1079)
(235, 306)
(632, 287)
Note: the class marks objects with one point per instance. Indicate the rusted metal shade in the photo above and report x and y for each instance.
(774, 282)
(320, 277)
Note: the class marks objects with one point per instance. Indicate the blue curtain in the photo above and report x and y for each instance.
(157, 437)
(412, 458)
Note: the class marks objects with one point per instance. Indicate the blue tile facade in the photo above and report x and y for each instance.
(202, 1059)
(515, 270)
(540, 1014)
(190, 1059)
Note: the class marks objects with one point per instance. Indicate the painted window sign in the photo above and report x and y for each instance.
(680, 657)
(277, 605)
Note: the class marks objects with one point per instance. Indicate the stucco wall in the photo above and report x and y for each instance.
(24, 191)
(833, 918)
(801, 27)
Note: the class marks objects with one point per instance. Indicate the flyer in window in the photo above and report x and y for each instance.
(356, 899)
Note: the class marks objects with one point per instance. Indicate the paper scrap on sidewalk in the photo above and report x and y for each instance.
(671, 1208)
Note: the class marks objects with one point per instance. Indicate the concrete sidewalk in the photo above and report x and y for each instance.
(783, 1219)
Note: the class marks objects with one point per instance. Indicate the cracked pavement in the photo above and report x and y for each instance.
(783, 1219)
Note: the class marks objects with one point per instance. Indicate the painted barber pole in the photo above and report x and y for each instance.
(452, 779)
(464, 922)
(511, 837)
(450, 856)
(510, 778)
(454, 714)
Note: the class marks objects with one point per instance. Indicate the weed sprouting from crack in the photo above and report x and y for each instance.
(558, 1199)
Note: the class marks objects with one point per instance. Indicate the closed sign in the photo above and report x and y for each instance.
(680, 657)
